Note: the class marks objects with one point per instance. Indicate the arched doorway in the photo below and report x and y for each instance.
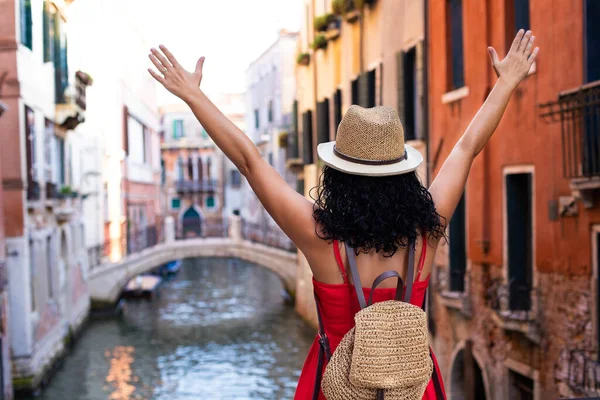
(466, 381)
(191, 223)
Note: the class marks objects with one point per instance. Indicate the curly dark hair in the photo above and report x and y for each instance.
(381, 213)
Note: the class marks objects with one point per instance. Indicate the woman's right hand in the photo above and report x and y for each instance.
(175, 78)
(517, 63)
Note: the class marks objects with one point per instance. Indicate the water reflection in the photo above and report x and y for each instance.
(219, 330)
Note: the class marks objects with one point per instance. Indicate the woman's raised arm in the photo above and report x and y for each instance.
(449, 183)
(290, 210)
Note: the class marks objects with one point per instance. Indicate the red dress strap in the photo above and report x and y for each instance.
(338, 258)
(422, 259)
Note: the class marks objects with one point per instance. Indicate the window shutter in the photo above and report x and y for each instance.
(355, 99)
(458, 256)
(363, 90)
(26, 24)
(371, 88)
(420, 108)
(125, 131)
(400, 85)
(307, 142)
(323, 121)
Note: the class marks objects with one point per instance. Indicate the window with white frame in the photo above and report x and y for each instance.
(136, 140)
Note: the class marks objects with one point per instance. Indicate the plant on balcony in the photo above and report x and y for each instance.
(339, 7)
(320, 42)
(303, 59)
(66, 192)
(322, 22)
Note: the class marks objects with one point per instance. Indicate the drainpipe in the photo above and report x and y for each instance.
(485, 234)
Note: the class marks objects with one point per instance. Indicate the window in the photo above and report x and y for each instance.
(210, 202)
(137, 144)
(200, 172)
(163, 172)
(33, 190)
(50, 266)
(204, 134)
(190, 168)
(323, 121)
(49, 151)
(337, 108)
(270, 114)
(520, 239)
(300, 186)
(521, 387)
(178, 129)
(410, 93)
(307, 141)
(270, 157)
(236, 178)
(26, 24)
(49, 23)
(180, 168)
(355, 98)
(455, 44)
(592, 40)
(517, 17)
(59, 169)
(175, 203)
(61, 68)
(256, 119)
(458, 247)
(208, 165)
(371, 88)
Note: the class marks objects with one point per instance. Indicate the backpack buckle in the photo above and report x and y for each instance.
(324, 342)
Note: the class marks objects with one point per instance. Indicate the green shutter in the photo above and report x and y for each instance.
(210, 202)
(49, 33)
(26, 24)
(175, 203)
(400, 85)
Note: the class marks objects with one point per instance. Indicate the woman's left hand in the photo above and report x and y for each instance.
(173, 76)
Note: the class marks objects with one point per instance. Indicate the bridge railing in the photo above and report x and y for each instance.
(267, 235)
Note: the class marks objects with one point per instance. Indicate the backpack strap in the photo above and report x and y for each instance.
(388, 274)
(324, 351)
(437, 383)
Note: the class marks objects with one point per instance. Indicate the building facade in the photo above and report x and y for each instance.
(371, 55)
(43, 224)
(270, 92)
(120, 165)
(514, 309)
(5, 365)
(193, 174)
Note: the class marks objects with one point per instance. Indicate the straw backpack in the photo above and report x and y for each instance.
(387, 354)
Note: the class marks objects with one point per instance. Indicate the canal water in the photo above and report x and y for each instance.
(219, 330)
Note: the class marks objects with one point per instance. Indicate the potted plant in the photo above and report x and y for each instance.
(303, 59)
(321, 23)
(339, 7)
(66, 192)
(320, 42)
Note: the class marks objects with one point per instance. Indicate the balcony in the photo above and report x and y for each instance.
(191, 187)
(578, 111)
(71, 106)
(33, 191)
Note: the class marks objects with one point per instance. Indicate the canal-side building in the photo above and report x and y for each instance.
(121, 164)
(5, 362)
(192, 174)
(515, 293)
(44, 95)
(371, 55)
(270, 92)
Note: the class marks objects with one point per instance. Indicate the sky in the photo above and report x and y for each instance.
(229, 33)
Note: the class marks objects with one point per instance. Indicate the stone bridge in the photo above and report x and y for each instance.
(108, 280)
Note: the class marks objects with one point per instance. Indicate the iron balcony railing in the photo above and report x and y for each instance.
(267, 235)
(583, 373)
(578, 112)
(190, 186)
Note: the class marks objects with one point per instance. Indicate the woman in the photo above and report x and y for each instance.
(378, 208)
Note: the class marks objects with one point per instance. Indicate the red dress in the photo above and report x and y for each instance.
(338, 319)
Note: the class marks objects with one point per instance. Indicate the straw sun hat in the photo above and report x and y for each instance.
(370, 141)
